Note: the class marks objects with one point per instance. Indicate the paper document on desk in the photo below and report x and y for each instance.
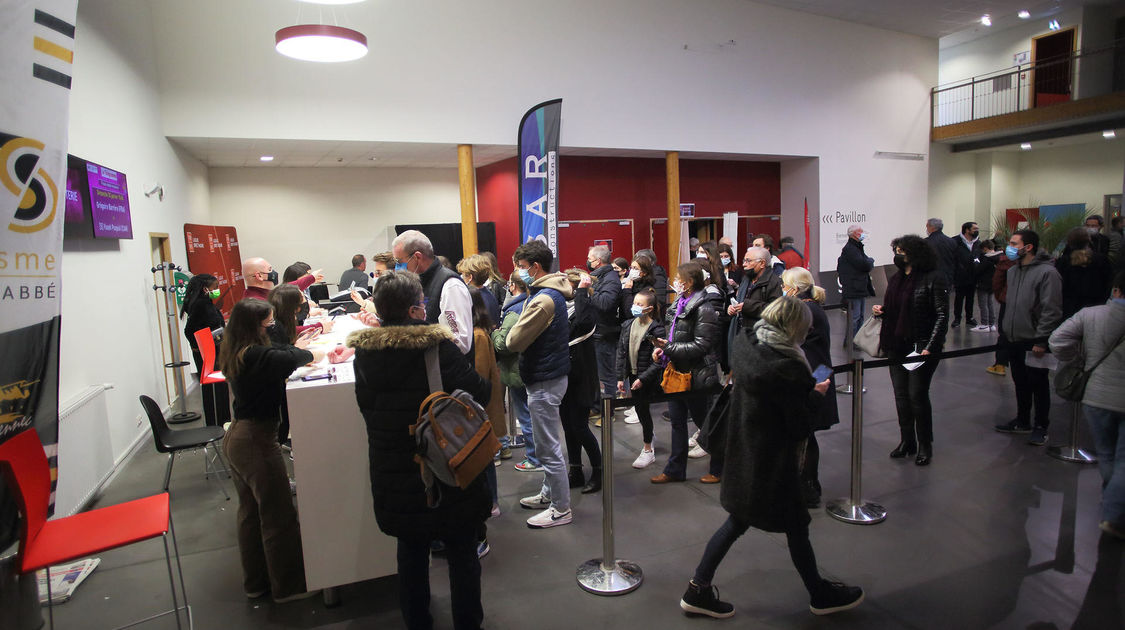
(1047, 361)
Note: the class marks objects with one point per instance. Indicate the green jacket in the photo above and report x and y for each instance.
(508, 361)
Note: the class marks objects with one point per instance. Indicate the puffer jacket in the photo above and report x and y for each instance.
(390, 384)
(508, 361)
(647, 369)
(694, 341)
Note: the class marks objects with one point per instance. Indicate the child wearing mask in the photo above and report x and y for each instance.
(638, 373)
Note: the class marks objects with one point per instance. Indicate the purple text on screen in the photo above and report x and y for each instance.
(109, 202)
(73, 195)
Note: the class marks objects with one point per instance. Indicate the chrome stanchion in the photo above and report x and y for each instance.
(608, 575)
(849, 347)
(854, 509)
(1071, 452)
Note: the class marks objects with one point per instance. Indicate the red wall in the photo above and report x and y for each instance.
(629, 188)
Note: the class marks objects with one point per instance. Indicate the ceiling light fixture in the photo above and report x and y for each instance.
(1026, 146)
(986, 19)
(321, 42)
(1109, 134)
(1053, 25)
(266, 158)
(1024, 14)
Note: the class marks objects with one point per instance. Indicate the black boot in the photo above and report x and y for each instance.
(904, 449)
(577, 479)
(595, 483)
(925, 453)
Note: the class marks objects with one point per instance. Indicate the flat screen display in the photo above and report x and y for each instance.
(74, 181)
(109, 202)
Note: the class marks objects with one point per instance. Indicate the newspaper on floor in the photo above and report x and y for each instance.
(65, 579)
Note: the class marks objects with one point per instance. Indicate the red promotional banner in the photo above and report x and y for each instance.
(213, 249)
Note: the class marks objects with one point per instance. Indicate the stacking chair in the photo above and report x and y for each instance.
(205, 341)
(44, 543)
(173, 441)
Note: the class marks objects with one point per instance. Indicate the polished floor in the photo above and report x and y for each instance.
(994, 534)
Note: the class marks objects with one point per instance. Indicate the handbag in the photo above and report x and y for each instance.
(675, 381)
(867, 337)
(713, 435)
(1070, 379)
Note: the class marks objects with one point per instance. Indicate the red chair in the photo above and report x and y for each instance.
(205, 341)
(44, 543)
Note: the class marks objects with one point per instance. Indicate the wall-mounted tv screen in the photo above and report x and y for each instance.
(97, 201)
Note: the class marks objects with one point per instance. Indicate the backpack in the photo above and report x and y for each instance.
(454, 438)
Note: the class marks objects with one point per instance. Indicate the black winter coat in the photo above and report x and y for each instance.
(771, 411)
(695, 341)
(606, 301)
(946, 252)
(202, 313)
(390, 384)
(963, 273)
(766, 288)
(818, 351)
(582, 385)
(1085, 285)
(929, 310)
(647, 370)
(853, 268)
(984, 270)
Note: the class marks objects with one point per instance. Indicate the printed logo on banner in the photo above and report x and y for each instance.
(14, 399)
(33, 195)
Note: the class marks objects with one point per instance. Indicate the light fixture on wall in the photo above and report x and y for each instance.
(1109, 134)
(321, 42)
(1026, 146)
(266, 158)
(1053, 25)
(1024, 14)
(986, 19)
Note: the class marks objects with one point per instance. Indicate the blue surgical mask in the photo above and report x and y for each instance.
(525, 276)
(725, 260)
(637, 310)
(862, 236)
(400, 266)
(1120, 300)
(701, 254)
(1012, 252)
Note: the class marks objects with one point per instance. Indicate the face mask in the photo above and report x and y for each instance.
(725, 260)
(751, 274)
(400, 266)
(303, 312)
(525, 276)
(678, 286)
(900, 261)
(637, 311)
(271, 276)
(701, 254)
(788, 290)
(634, 274)
(706, 275)
(1092, 230)
(973, 235)
(1012, 252)
(213, 294)
(862, 237)
(1120, 300)
(589, 265)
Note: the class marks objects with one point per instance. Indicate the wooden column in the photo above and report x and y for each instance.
(467, 177)
(672, 179)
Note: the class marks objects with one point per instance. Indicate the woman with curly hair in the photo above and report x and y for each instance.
(915, 314)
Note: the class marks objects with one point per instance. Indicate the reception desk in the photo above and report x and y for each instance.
(342, 543)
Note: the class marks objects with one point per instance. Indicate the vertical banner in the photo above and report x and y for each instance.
(539, 174)
(37, 48)
(730, 230)
(213, 249)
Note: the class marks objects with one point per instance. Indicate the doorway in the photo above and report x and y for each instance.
(1054, 68)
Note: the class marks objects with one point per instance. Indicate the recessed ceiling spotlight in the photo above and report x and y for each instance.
(1024, 14)
(1109, 134)
(1026, 146)
(1053, 25)
(986, 19)
(266, 158)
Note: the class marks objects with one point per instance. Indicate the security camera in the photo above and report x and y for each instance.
(155, 189)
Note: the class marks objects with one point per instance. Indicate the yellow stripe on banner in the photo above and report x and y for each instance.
(54, 474)
(54, 50)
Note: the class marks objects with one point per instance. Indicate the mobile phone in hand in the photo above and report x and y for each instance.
(821, 372)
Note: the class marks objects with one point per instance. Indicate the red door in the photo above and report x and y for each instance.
(577, 237)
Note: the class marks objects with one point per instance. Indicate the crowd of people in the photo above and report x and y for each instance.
(554, 343)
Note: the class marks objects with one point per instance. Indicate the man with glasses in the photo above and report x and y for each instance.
(759, 286)
(447, 299)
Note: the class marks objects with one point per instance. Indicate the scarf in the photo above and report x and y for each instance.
(776, 338)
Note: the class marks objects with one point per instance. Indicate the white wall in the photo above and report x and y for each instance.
(994, 52)
(1073, 174)
(952, 185)
(110, 326)
(634, 74)
(324, 216)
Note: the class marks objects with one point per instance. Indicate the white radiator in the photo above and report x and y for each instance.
(85, 455)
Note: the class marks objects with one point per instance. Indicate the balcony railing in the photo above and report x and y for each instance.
(1082, 74)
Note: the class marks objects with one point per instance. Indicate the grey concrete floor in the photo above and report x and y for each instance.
(993, 534)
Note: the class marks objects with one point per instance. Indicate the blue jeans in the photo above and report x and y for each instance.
(855, 312)
(464, 580)
(523, 415)
(1108, 430)
(605, 349)
(543, 400)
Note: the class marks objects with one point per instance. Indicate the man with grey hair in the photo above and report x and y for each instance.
(943, 246)
(853, 268)
(606, 301)
(759, 286)
(447, 297)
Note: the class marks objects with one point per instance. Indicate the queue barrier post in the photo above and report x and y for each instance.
(608, 575)
(1071, 452)
(854, 509)
(849, 347)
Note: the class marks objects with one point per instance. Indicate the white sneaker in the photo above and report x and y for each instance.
(696, 452)
(537, 502)
(644, 459)
(549, 518)
(631, 416)
(981, 328)
(992, 329)
(691, 440)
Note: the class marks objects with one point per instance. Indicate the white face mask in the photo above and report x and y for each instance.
(634, 274)
(725, 260)
(701, 254)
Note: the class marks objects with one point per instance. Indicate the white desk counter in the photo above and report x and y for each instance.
(342, 543)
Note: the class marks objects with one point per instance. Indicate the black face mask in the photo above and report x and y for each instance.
(900, 261)
(271, 276)
(589, 266)
(752, 274)
(303, 312)
(974, 234)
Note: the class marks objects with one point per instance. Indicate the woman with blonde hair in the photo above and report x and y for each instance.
(798, 282)
(476, 271)
(773, 403)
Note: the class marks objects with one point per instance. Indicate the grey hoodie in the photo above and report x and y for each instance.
(1034, 305)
